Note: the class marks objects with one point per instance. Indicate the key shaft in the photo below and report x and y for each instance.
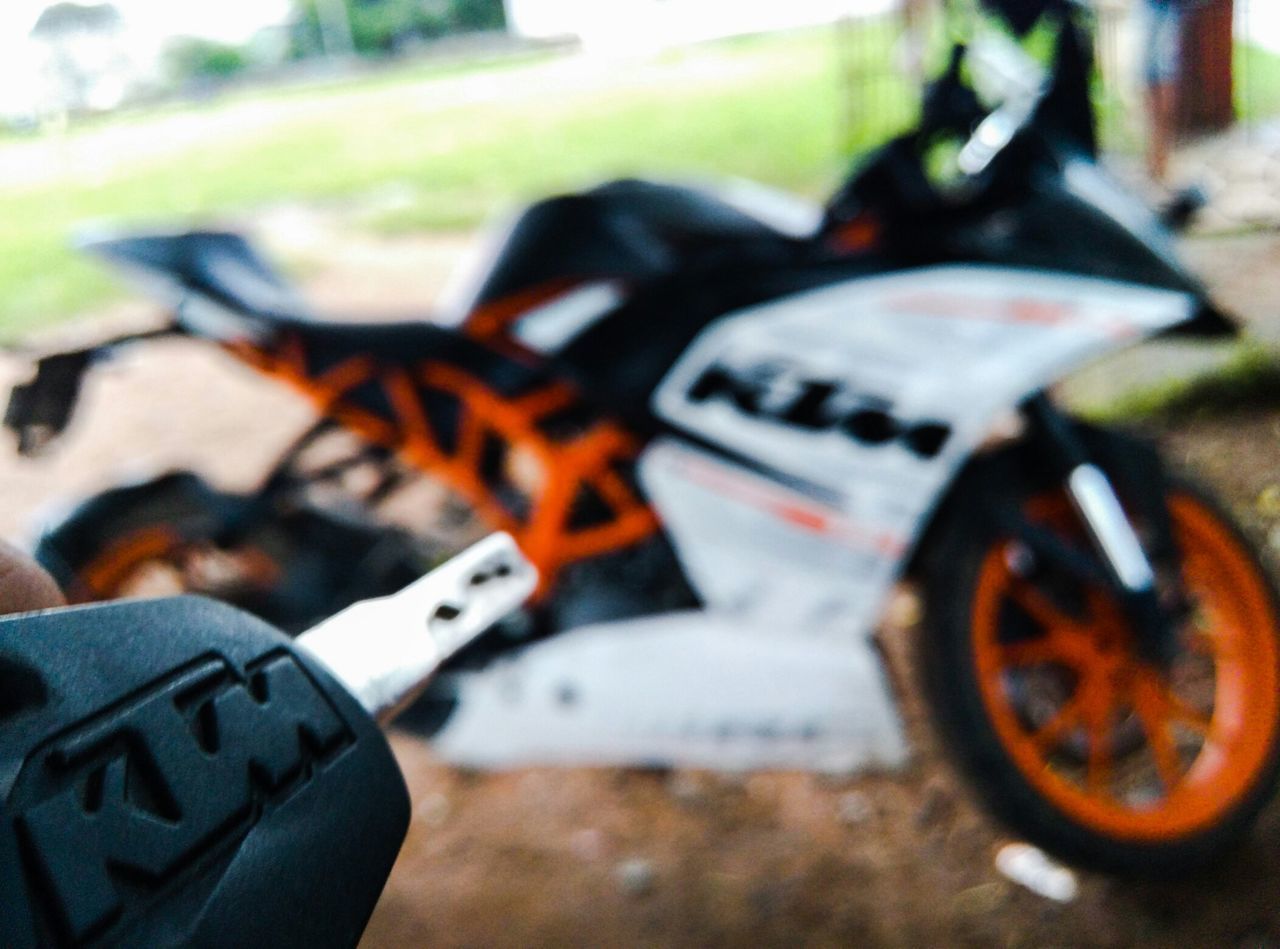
(386, 650)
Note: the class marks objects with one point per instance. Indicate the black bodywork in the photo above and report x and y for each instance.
(629, 230)
(1044, 202)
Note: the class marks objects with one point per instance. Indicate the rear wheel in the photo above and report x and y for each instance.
(161, 539)
(1074, 740)
(165, 538)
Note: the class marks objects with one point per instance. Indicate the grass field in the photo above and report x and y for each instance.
(1258, 85)
(459, 146)
(1249, 380)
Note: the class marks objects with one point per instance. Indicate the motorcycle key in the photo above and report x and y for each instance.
(179, 772)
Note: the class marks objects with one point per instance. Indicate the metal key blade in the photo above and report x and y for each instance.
(386, 650)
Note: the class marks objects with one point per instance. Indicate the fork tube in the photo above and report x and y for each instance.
(1095, 500)
(1100, 509)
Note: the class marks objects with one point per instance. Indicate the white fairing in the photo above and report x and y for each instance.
(856, 404)
(685, 689)
(547, 328)
(813, 547)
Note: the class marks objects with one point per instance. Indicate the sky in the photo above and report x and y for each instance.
(150, 22)
(229, 20)
(1264, 23)
(235, 21)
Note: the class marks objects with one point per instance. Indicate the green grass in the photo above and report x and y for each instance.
(878, 97)
(1249, 380)
(767, 109)
(1258, 83)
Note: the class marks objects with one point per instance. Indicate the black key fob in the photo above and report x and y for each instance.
(177, 772)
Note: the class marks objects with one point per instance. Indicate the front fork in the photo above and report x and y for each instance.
(1127, 568)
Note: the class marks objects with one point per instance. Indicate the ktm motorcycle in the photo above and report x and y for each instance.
(722, 434)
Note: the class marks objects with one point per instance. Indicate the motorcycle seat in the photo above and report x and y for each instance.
(251, 301)
(629, 230)
(407, 343)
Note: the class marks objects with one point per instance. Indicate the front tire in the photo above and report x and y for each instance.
(1074, 742)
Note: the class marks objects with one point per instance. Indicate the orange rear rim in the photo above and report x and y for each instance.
(107, 575)
(158, 561)
(1066, 687)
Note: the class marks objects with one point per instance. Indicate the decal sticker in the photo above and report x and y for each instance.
(782, 393)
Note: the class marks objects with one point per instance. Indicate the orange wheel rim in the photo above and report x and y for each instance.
(109, 575)
(1200, 734)
(104, 576)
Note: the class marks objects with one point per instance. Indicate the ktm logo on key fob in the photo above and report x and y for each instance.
(113, 811)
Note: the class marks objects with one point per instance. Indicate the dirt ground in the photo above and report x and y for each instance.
(608, 857)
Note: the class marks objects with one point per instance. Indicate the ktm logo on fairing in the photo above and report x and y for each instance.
(777, 393)
(135, 795)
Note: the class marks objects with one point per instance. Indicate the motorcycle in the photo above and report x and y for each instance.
(722, 436)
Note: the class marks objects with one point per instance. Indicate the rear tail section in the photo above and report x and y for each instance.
(219, 266)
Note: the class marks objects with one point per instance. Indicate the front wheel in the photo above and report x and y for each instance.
(1072, 739)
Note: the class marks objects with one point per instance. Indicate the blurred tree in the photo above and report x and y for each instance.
(67, 19)
(478, 14)
(333, 24)
(384, 26)
(193, 58)
(83, 48)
